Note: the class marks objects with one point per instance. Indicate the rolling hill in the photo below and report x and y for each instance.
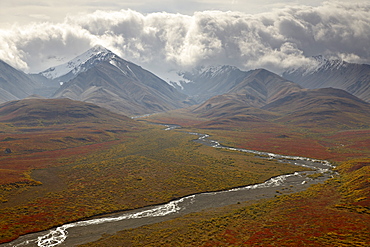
(46, 112)
(322, 107)
(326, 107)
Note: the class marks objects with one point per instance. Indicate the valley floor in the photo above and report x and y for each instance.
(325, 215)
(115, 170)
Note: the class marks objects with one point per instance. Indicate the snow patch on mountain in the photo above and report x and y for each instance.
(318, 63)
(79, 64)
(213, 71)
(115, 64)
(200, 73)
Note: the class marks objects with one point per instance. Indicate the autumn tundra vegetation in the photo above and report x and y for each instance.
(75, 166)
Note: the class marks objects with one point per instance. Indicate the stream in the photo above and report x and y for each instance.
(85, 231)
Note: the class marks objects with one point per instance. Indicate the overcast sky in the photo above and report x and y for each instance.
(165, 35)
(24, 11)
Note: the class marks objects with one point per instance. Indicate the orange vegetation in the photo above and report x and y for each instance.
(129, 170)
(240, 131)
(332, 214)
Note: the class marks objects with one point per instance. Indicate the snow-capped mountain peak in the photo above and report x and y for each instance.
(318, 63)
(78, 64)
(325, 63)
(213, 71)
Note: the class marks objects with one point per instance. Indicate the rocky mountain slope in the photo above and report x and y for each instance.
(353, 78)
(101, 77)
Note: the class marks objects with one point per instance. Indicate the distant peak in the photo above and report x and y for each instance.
(214, 70)
(217, 68)
(319, 63)
(328, 61)
(79, 63)
(99, 49)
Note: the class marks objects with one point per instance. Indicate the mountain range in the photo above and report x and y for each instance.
(101, 77)
(324, 108)
(203, 83)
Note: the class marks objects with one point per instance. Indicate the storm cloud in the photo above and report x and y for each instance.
(275, 40)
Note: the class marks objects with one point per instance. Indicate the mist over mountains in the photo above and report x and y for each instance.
(160, 42)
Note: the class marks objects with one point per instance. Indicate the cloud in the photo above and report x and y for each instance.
(160, 42)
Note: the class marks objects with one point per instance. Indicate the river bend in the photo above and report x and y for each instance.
(85, 231)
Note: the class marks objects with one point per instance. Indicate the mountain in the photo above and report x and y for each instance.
(205, 82)
(46, 87)
(15, 84)
(81, 63)
(101, 77)
(353, 78)
(257, 89)
(326, 107)
(264, 86)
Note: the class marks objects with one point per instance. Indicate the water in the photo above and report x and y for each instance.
(89, 230)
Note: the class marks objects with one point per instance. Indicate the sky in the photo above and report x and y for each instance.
(169, 35)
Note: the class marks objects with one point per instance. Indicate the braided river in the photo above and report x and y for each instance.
(85, 231)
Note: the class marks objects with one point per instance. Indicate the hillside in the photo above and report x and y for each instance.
(14, 84)
(205, 82)
(351, 77)
(34, 112)
(259, 88)
(322, 107)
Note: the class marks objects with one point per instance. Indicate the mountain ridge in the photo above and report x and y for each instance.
(351, 77)
(258, 88)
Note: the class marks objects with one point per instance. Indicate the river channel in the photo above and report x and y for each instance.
(85, 231)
